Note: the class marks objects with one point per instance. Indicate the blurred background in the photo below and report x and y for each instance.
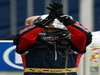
(14, 12)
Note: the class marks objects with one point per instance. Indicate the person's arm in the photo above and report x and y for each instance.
(80, 36)
(26, 38)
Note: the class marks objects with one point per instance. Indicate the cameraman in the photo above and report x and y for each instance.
(52, 44)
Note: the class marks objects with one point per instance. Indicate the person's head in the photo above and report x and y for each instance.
(52, 27)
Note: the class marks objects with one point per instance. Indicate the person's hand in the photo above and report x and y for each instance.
(43, 21)
(51, 15)
(56, 9)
